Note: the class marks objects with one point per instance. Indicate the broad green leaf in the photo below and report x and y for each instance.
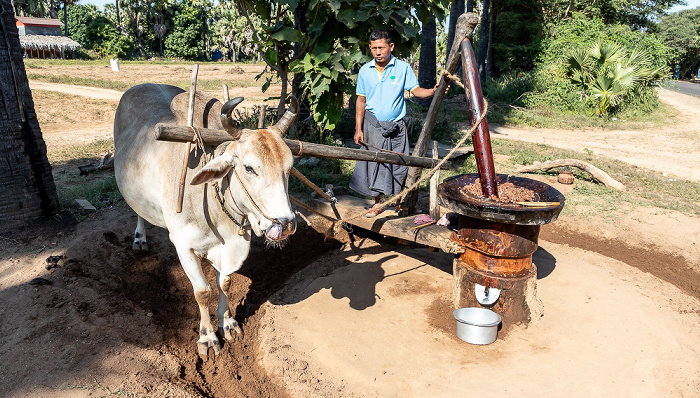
(285, 34)
(322, 57)
(271, 56)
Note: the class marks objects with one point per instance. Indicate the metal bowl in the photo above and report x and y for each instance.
(477, 325)
(452, 196)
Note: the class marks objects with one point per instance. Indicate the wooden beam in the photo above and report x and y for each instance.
(386, 223)
(299, 148)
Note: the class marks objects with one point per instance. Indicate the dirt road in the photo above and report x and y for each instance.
(621, 306)
(674, 149)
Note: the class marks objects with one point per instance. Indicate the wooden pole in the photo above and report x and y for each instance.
(190, 123)
(261, 118)
(299, 148)
(481, 138)
(434, 181)
(465, 27)
(227, 97)
(309, 183)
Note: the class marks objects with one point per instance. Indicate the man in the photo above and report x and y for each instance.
(379, 113)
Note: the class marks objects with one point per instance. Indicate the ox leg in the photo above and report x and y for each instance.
(140, 244)
(226, 321)
(202, 293)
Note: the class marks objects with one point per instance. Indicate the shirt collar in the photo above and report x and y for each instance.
(373, 62)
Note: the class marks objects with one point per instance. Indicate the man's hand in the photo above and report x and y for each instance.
(359, 137)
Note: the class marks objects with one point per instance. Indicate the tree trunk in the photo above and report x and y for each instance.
(483, 39)
(65, 18)
(470, 5)
(119, 23)
(456, 9)
(427, 60)
(489, 51)
(27, 189)
(138, 33)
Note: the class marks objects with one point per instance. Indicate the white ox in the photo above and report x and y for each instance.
(251, 172)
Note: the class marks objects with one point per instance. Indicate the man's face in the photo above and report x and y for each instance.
(381, 51)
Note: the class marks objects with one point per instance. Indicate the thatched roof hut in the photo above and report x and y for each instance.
(41, 38)
(46, 43)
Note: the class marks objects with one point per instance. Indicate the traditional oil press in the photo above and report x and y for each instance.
(495, 240)
(496, 269)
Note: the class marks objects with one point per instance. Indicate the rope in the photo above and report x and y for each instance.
(382, 150)
(452, 77)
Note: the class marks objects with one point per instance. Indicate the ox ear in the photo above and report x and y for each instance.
(214, 170)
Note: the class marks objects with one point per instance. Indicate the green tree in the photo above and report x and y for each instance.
(680, 32)
(79, 19)
(608, 72)
(233, 32)
(106, 40)
(328, 41)
(186, 40)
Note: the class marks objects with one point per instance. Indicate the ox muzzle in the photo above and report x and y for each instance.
(280, 231)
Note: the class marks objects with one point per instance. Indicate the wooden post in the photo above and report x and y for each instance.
(464, 30)
(261, 118)
(190, 123)
(226, 95)
(434, 181)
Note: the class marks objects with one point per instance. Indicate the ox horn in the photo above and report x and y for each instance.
(229, 124)
(288, 118)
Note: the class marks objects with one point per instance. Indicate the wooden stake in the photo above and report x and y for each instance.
(261, 118)
(434, 181)
(226, 95)
(190, 123)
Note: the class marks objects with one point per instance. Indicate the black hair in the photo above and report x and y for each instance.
(379, 35)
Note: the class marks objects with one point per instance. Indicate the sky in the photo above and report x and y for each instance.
(691, 4)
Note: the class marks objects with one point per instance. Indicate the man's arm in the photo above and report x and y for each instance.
(359, 118)
(421, 92)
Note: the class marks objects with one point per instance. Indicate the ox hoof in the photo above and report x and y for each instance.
(139, 246)
(206, 342)
(228, 328)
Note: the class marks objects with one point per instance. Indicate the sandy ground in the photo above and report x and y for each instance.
(621, 307)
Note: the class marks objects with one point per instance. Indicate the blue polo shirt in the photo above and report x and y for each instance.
(384, 91)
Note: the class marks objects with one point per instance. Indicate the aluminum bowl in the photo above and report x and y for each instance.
(477, 325)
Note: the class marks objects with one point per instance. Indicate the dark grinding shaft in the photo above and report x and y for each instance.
(482, 139)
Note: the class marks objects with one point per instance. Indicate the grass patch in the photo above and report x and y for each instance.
(82, 154)
(101, 192)
(81, 81)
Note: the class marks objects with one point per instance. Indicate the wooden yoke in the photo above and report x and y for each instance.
(465, 27)
(214, 137)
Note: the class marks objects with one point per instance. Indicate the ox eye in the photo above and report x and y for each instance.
(250, 170)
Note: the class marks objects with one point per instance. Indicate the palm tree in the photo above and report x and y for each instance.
(609, 73)
(66, 3)
(27, 189)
